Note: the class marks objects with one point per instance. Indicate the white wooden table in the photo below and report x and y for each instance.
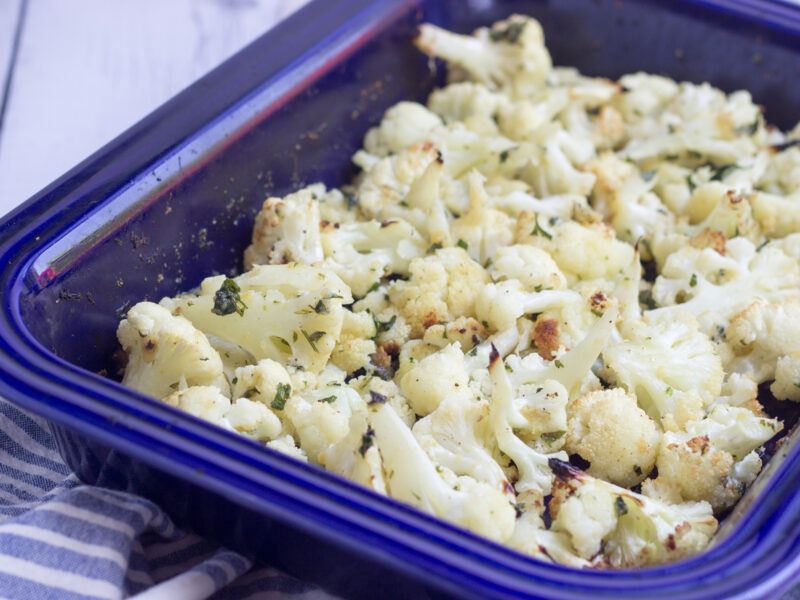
(76, 73)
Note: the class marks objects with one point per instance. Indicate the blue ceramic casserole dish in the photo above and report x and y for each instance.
(173, 199)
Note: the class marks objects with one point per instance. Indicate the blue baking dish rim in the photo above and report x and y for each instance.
(760, 556)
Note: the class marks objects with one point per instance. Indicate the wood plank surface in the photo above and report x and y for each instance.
(88, 69)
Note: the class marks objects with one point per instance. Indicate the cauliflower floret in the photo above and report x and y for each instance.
(432, 379)
(731, 215)
(287, 230)
(403, 125)
(267, 382)
(374, 391)
(201, 401)
(356, 456)
(715, 288)
(362, 253)
(760, 335)
(165, 350)
(564, 325)
(531, 266)
(317, 424)
(499, 305)
(465, 331)
(572, 369)
(390, 326)
(356, 343)
(511, 55)
(787, 378)
(413, 478)
(531, 538)
(253, 419)
(442, 287)
(581, 252)
(290, 313)
(455, 436)
(286, 445)
(535, 476)
(553, 170)
(671, 367)
(623, 196)
(698, 463)
(462, 100)
(613, 526)
(644, 95)
(778, 216)
(739, 390)
(698, 121)
(483, 230)
(609, 430)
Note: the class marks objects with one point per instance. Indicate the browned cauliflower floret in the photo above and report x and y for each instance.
(582, 252)
(443, 286)
(762, 336)
(287, 230)
(608, 429)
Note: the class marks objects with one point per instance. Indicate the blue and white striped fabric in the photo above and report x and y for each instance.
(65, 540)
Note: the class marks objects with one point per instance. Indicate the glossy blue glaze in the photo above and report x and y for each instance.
(173, 199)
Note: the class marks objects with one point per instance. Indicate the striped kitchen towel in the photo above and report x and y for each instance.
(61, 539)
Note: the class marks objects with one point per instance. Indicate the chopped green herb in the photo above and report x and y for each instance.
(235, 380)
(797, 384)
(175, 385)
(646, 298)
(761, 245)
(668, 391)
(537, 230)
(433, 248)
(374, 287)
(552, 437)
(558, 364)
(462, 244)
(227, 299)
(351, 200)
(620, 508)
(313, 338)
(488, 263)
(509, 368)
(328, 399)
(596, 313)
(320, 308)
(473, 352)
(253, 391)
(282, 394)
(381, 326)
(281, 343)
(720, 173)
(693, 280)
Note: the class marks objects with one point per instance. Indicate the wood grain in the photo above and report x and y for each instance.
(88, 69)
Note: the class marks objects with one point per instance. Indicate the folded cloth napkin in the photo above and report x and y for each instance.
(65, 540)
